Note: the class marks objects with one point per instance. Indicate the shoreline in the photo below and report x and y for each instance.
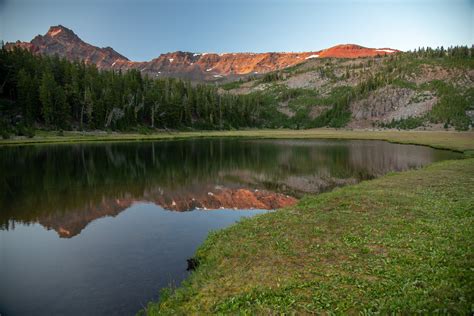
(274, 270)
(352, 247)
(462, 142)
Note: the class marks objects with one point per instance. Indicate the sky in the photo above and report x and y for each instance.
(143, 29)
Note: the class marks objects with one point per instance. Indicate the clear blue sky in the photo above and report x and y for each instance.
(142, 29)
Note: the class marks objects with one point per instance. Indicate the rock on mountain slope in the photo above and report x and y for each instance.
(63, 42)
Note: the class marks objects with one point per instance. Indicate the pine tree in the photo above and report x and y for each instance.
(26, 88)
(61, 108)
(46, 93)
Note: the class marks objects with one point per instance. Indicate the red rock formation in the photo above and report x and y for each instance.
(61, 41)
(355, 51)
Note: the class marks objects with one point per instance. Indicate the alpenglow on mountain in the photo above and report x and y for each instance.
(63, 42)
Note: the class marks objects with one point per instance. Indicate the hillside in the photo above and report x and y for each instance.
(64, 43)
(430, 88)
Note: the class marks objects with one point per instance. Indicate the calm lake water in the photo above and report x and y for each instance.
(99, 229)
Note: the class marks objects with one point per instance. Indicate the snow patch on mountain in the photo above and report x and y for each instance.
(385, 50)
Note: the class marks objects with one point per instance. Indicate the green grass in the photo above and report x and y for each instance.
(231, 85)
(401, 244)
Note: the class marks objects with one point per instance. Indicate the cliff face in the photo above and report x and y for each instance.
(63, 42)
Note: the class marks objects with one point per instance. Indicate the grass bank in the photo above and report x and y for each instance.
(460, 141)
(400, 243)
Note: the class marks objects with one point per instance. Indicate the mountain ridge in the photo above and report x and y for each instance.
(62, 41)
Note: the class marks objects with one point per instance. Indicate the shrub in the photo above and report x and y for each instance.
(5, 134)
(452, 105)
(405, 123)
(144, 130)
(30, 132)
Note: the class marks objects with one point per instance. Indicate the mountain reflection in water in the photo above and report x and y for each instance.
(65, 187)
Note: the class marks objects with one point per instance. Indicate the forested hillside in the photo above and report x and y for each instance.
(403, 90)
(53, 93)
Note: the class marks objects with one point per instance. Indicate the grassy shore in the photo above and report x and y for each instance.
(460, 141)
(401, 243)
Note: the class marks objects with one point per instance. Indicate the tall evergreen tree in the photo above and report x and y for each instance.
(46, 93)
(27, 96)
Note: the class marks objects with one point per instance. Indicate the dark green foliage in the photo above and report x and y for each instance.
(339, 114)
(231, 85)
(27, 95)
(30, 132)
(58, 94)
(406, 123)
(451, 52)
(452, 106)
(272, 76)
(144, 130)
(23, 130)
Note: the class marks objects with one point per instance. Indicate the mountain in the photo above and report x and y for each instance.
(63, 42)
(427, 88)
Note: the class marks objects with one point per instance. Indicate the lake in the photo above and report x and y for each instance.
(99, 229)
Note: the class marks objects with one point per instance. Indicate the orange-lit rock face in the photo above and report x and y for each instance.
(355, 51)
(63, 42)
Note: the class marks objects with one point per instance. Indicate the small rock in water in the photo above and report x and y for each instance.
(193, 263)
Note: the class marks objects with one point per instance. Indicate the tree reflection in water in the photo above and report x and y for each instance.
(64, 187)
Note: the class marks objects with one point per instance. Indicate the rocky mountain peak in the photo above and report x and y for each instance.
(59, 29)
(59, 33)
(62, 41)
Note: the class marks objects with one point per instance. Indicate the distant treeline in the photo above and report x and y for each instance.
(452, 51)
(58, 94)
